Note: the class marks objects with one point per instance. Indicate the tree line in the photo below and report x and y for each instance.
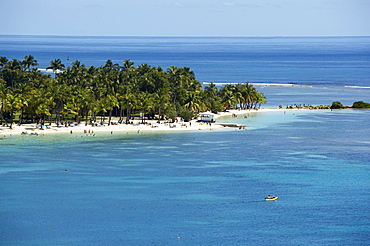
(356, 105)
(111, 90)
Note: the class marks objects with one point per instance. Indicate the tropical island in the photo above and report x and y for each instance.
(122, 97)
(80, 94)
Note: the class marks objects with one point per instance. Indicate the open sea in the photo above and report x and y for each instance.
(203, 187)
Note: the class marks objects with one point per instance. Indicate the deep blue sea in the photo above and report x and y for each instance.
(203, 187)
(329, 68)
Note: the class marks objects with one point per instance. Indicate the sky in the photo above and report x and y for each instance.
(186, 17)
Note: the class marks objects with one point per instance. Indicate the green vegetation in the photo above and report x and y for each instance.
(336, 105)
(28, 95)
(360, 104)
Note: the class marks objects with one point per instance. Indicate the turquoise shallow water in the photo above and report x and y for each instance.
(193, 188)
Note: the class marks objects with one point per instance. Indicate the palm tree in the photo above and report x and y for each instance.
(181, 80)
(128, 65)
(110, 66)
(3, 96)
(58, 94)
(13, 102)
(84, 100)
(174, 76)
(3, 62)
(249, 94)
(238, 93)
(160, 79)
(146, 78)
(56, 65)
(143, 69)
(194, 102)
(28, 62)
(228, 98)
(77, 64)
(211, 90)
(129, 101)
(12, 69)
(14, 64)
(161, 100)
(23, 96)
(145, 103)
(260, 98)
(212, 98)
(42, 101)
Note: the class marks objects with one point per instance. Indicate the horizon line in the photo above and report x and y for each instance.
(187, 36)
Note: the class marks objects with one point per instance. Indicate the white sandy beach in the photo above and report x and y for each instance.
(151, 125)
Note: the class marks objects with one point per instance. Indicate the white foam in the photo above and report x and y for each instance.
(358, 87)
(259, 84)
(44, 70)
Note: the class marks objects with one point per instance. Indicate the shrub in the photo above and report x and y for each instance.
(361, 104)
(186, 114)
(336, 105)
(172, 114)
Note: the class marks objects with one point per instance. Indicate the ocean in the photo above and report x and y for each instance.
(329, 68)
(326, 61)
(203, 187)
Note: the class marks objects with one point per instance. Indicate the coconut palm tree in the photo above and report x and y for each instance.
(3, 96)
(211, 98)
(128, 65)
(260, 99)
(12, 73)
(13, 102)
(28, 62)
(145, 103)
(161, 101)
(211, 90)
(129, 101)
(194, 102)
(174, 77)
(238, 93)
(249, 94)
(3, 62)
(110, 66)
(56, 65)
(77, 64)
(181, 80)
(228, 98)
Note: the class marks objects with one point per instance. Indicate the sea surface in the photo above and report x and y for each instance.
(202, 187)
(329, 68)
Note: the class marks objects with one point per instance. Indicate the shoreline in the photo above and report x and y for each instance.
(150, 125)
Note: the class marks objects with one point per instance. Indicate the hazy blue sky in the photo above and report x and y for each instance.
(186, 17)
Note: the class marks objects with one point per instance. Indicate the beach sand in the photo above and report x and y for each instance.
(151, 125)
